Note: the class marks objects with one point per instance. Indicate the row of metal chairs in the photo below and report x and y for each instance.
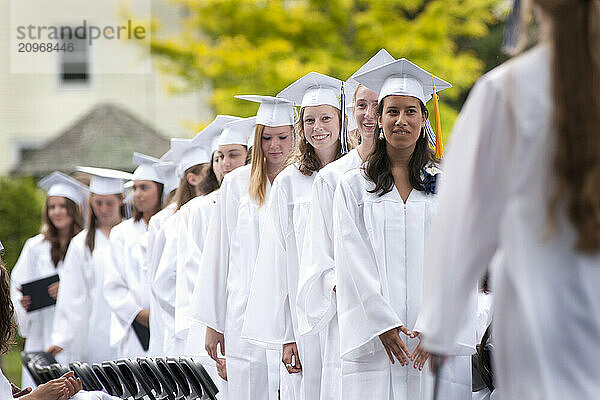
(162, 378)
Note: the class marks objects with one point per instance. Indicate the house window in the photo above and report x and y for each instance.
(74, 65)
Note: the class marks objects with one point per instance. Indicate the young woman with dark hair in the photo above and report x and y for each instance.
(125, 294)
(275, 280)
(43, 256)
(84, 332)
(316, 301)
(381, 215)
(226, 250)
(523, 177)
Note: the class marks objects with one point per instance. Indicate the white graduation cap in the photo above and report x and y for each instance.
(207, 136)
(145, 170)
(106, 181)
(185, 154)
(314, 89)
(59, 184)
(167, 172)
(401, 78)
(273, 111)
(238, 132)
(380, 58)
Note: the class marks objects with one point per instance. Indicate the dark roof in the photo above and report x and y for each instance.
(106, 137)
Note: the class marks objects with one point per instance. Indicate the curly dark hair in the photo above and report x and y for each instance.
(378, 168)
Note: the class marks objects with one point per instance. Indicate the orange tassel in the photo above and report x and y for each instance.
(439, 146)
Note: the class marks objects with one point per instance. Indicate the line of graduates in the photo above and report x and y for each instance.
(285, 250)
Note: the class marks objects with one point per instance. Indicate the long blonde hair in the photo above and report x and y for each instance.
(258, 171)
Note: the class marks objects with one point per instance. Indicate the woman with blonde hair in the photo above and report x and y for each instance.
(523, 176)
(43, 257)
(228, 249)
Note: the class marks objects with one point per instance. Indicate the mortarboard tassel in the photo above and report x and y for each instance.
(439, 146)
(344, 128)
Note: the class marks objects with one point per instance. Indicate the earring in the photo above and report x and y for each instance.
(381, 136)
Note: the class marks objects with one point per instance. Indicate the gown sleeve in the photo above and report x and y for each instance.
(209, 298)
(117, 289)
(73, 305)
(465, 233)
(363, 312)
(269, 288)
(21, 273)
(165, 279)
(316, 302)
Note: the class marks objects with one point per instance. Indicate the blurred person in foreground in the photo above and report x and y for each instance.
(62, 388)
(523, 175)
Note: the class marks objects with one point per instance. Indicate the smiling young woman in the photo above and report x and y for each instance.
(43, 256)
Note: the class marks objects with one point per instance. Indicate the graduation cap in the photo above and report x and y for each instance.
(59, 184)
(403, 78)
(146, 170)
(208, 136)
(238, 132)
(380, 58)
(106, 181)
(185, 154)
(273, 111)
(315, 89)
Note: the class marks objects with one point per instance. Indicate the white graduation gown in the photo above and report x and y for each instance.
(34, 263)
(82, 316)
(125, 290)
(193, 230)
(500, 175)
(164, 283)
(221, 290)
(275, 282)
(379, 245)
(316, 302)
(154, 248)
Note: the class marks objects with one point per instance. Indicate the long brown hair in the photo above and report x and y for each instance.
(185, 191)
(58, 252)
(575, 82)
(7, 327)
(210, 183)
(305, 153)
(90, 237)
(258, 172)
(137, 215)
(378, 168)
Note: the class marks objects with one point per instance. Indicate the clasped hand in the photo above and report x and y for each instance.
(395, 347)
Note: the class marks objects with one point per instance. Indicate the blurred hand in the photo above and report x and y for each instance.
(143, 317)
(222, 368)
(53, 290)
(26, 302)
(61, 388)
(54, 350)
(16, 392)
(291, 358)
(211, 341)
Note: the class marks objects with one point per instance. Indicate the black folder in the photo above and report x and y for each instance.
(38, 291)
(142, 333)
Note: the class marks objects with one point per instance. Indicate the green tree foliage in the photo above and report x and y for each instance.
(20, 215)
(261, 46)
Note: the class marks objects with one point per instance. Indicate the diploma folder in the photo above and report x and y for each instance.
(38, 291)
(142, 333)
